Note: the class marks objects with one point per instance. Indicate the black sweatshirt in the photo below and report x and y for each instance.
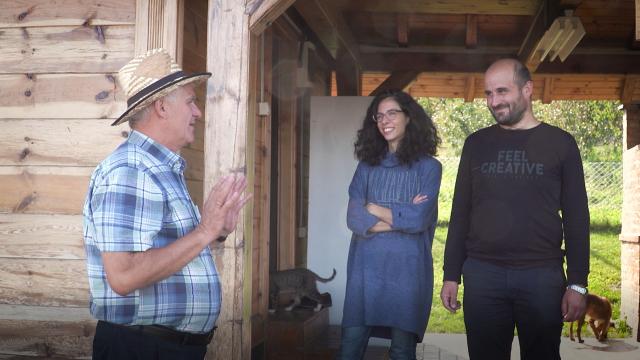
(518, 194)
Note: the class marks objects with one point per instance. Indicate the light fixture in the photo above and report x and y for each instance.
(561, 38)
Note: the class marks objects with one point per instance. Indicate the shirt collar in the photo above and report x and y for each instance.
(157, 150)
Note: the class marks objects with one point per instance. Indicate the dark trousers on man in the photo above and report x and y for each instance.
(118, 342)
(499, 299)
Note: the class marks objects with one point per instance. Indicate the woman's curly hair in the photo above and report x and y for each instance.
(420, 138)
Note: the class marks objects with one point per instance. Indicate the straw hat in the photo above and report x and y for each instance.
(149, 77)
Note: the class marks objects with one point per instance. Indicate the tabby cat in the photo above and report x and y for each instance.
(300, 281)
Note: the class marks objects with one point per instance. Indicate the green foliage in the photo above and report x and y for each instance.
(596, 125)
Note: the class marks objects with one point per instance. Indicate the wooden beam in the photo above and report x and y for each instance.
(330, 26)
(229, 46)
(471, 38)
(348, 75)
(32, 96)
(470, 88)
(630, 81)
(578, 63)
(547, 92)
(397, 80)
(637, 37)
(266, 12)
(36, 13)
(493, 7)
(63, 49)
(545, 14)
(402, 24)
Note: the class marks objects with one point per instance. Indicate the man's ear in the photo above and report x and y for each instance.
(159, 107)
(527, 89)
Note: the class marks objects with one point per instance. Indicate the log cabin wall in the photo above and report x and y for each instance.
(194, 59)
(58, 96)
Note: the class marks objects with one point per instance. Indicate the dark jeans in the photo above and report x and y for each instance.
(498, 299)
(112, 342)
(355, 339)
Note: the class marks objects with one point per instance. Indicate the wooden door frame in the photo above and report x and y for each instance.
(231, 110)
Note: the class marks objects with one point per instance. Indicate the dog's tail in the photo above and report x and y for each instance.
(327, 279)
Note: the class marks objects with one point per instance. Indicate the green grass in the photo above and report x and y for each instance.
(604, 278)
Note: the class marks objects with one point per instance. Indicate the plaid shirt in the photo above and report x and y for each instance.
(138, 200)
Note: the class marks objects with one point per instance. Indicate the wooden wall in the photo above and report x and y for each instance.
(194, 59)
(58, 96)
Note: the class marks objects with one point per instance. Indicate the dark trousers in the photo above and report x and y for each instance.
(113, 342)
(498, 299)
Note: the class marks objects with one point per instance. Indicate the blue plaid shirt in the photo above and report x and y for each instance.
(138, 200)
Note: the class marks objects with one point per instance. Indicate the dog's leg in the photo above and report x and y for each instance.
(580, 323)
(571, 332)
(596, 329)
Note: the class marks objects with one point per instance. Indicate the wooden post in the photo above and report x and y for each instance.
(227, 114)
(630, 232)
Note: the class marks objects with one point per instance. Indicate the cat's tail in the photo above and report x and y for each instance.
(327, 279)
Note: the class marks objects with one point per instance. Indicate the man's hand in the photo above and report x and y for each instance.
(449, 296)
(231, 220)
(223, 205)
(574, 305)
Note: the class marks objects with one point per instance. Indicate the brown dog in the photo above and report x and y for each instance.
(599, 312)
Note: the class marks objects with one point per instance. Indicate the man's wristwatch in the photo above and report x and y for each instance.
(578, 288)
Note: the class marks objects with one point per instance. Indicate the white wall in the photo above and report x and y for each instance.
(334, 124)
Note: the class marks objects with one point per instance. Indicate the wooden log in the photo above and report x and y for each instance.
(225, 147)
(59, 332)
(57, 96)
(69, 142)
(31, 13)
(61, 49)
(44, 282)
(41, 189)
(41, 236)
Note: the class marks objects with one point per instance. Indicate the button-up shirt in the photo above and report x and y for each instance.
(138, 200)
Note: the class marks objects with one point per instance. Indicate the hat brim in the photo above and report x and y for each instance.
(160, 92)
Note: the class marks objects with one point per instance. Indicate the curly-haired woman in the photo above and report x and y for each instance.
(392, 213)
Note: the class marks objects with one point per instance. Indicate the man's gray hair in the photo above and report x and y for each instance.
(144, 112)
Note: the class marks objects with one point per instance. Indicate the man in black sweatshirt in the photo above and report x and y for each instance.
(519, 193)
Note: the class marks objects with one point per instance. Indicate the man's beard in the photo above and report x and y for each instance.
(512, 117)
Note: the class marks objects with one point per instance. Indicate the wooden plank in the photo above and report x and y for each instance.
(44, 282)
(228, 38)
(195, 163)
(637, 38)
(501, 7)
(471, 36)
(50, 331)
(56, 96)
(402, 29)
(32, 13)
(196, 189)
(71, 142)
(41, 236)
(61, 49)
(266, 13)
(40, 189)
(397, 80)
(470, 89)
(626, 97)
(547, 93)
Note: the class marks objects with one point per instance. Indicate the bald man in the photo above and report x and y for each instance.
(519, 194)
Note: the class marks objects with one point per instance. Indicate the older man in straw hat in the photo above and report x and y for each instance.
(154, 285)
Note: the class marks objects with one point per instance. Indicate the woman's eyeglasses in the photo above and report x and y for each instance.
(390, 114)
